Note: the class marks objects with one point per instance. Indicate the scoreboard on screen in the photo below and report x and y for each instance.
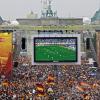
(56, 49)
(5, 53)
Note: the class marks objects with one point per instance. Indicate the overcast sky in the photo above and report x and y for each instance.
(12, 9)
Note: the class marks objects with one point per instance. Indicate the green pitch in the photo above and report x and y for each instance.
(54, 53)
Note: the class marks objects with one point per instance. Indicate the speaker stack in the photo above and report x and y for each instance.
(23, 43)
(88, 43)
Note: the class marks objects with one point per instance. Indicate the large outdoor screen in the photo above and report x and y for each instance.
(55, 49)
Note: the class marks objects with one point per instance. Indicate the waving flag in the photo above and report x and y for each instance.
(40, 89)
(50, 80)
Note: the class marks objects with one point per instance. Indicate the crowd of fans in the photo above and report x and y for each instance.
(57, 82)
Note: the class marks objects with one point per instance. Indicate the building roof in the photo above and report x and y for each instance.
(51, 21)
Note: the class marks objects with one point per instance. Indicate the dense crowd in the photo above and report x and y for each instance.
(70, 82)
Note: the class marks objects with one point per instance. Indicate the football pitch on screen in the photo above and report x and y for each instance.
(55, 53)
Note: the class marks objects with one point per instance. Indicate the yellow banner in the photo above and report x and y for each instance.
(5, 52)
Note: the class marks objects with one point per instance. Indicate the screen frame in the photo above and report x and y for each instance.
(51, 61)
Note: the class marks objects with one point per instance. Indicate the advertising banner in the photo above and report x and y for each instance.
(5, 53)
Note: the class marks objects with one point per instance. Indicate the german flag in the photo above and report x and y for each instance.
(40, 94)
(40, 89)
(50, 79)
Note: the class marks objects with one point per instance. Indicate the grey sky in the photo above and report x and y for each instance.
(12, 9)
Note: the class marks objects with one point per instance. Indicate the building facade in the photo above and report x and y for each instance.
(51, 21)
(98, 46)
